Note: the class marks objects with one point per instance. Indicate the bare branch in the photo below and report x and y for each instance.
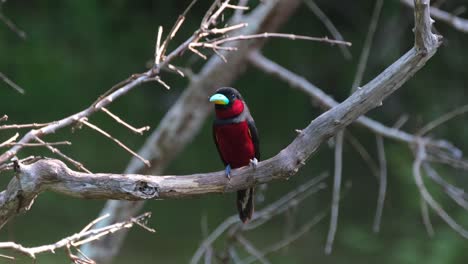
(217, 43)
(382, 183)
(290, 239)
(427, 197)
(363, 153)
(8, 81)
(457, 194)
(78, 238)
(250, 248)
(10, 24)
(21, 126)
(424, 39)
(442, 119)
(75, 163)
(158, 48)
(426, 218)
(10, 140)
(118, 142)
(329, 25)
(125, 124)
(261, 216)
(367, 45)
(339, 138)
(458, 23)
(68, 143)
(327, 102)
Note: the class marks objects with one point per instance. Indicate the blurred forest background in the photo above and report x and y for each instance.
(76, 50)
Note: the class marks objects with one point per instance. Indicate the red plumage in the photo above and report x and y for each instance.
(235, 144)
(236, 139)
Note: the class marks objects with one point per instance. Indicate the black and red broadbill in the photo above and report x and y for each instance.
(236, 139)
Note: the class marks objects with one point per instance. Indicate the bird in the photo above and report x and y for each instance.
(236, 139)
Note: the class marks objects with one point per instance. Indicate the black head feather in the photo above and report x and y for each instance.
(230, 93)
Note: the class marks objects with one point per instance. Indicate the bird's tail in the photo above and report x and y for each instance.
(245, 204)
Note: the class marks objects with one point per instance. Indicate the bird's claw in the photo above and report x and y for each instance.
(227, 170)
(254, 163)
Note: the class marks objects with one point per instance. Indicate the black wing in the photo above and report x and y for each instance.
(215, 138)
(254, 135)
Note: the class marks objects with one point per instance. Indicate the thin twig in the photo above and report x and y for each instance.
(118, 142)
(252, 250)
(457, 194)
(290, 239)
(458, 23)
(426, 218)
(92, 223)
(362, 151)
(329, 25)
(401, 121)
(10, 140)
(158, 50)
(367, 45)
(125, 124)
(427, 197)
(75, 163)
(239, 12)
(20, 126)
(10, 82)
(76, 239)
(59, 143)
(11, 25)
(442, 119)
(261, 216)
(382, 183)
(336, 191)
(217, 43)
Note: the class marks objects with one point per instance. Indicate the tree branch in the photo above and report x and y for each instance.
(458, 23)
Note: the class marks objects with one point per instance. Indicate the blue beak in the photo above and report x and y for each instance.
(219, 99)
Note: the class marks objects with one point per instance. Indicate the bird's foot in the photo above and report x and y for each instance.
(227, 170)
(254, 163)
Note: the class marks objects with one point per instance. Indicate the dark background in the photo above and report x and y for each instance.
(76, 50)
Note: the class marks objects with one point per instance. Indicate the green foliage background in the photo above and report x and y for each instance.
(76, 50)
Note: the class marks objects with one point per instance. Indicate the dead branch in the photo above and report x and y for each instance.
(442, 119)
(329, 25)
(292, 198)
(382, 183)
(75, 163)
(118, 142)
(327, 102)
(339, 139)
(367, 45)
(7, 80)
(125, 124)
(59, 143)
(85, 236)
(456, 22)
(304, 229)
(12, 26)
(427, 197)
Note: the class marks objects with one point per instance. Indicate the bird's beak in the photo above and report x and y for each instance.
(219, 99)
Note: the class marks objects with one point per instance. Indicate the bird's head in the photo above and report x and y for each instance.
(228, 102)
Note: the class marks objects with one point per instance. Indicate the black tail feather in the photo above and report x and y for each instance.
(245, 204)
